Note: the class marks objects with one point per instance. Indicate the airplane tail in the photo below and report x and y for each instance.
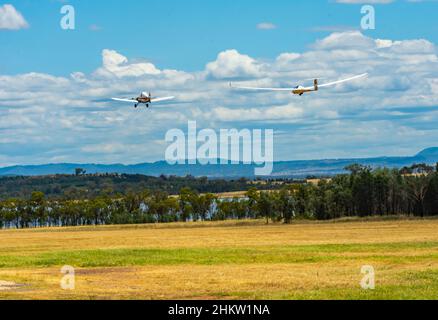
(315, 83)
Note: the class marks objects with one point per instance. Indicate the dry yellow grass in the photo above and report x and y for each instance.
(224, 260)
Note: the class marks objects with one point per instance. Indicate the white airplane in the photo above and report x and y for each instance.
(300, 90)
(145, 98)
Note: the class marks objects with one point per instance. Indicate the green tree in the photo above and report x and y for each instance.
(418, 187)
(265, 206)
(286, 203)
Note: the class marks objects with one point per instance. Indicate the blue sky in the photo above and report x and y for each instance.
(55, 84)
(185, 35)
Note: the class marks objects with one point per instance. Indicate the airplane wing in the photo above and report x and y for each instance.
(162, 99)
(261, 89)
(302, 88)
(342, 81)
(124, 100)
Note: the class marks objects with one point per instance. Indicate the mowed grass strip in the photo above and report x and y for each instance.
(211, 236)
(251, 261)
(330, 280)
(400, 253)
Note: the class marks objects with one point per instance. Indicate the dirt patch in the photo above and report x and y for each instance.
(9, 286)
(97, 271)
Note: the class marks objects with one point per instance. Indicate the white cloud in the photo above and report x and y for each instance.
(11, 19)
(343, 40)
(231, 64)
(115, 64)
(44, 118)
(266, 26)
(285, 58)
(276, 113)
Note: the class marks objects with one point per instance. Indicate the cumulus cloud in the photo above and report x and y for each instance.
(273, 114)
(115, 64)
(343, 40)
(231, 64)
(11, 19)
(287, 57)
(45, 118)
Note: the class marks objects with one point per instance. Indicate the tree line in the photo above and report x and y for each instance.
(364, 192)
(82, 186)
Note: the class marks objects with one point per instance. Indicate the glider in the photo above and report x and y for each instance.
(300, 90)
(145, 98)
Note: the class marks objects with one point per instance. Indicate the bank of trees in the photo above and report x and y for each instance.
(82, 186)
(363, 192)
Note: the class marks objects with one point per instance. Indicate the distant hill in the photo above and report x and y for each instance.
(290, 169)
(430, 153)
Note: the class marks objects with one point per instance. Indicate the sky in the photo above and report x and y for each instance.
(55, 84)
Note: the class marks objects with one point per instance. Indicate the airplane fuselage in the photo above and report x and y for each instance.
(144, 100)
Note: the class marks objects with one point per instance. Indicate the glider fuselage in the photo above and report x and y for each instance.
(302, 91)
(299, 90)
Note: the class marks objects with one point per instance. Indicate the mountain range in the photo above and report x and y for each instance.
(282, 169)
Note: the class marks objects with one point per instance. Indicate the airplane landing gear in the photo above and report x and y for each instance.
(135, 106)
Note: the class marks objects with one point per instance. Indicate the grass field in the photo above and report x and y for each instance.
(228, 260)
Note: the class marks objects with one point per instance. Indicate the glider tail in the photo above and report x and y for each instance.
(315, 83)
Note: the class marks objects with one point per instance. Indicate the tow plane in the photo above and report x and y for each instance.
(144, 98)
